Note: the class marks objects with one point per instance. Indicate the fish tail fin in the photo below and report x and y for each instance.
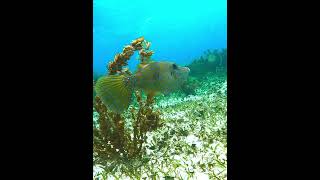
(115, 91)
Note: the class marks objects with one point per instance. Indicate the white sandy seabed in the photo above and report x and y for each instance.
(192, 140)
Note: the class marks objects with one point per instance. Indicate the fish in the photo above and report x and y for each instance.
(156, 77)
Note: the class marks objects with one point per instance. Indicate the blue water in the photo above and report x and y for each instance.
(178, 30)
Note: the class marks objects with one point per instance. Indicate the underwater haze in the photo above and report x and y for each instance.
(178, 30)
(168, 119)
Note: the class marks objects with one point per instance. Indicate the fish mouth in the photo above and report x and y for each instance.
(184, 73)
(186, 69)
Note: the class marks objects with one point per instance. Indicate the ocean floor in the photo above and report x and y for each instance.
(191, 144)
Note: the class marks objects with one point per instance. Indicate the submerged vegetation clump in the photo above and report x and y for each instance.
(113, 141)
(181, 135)
(211, 61)
(121, 59)
(119, 138)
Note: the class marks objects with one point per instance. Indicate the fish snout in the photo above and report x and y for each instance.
(184, 73)
(185, 69)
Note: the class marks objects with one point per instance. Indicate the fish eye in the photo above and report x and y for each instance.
(174, 66)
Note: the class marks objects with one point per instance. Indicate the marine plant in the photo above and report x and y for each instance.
(121, 59)
(211, 61)
(119, 137)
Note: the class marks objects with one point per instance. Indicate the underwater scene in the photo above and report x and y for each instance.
(159, 89)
